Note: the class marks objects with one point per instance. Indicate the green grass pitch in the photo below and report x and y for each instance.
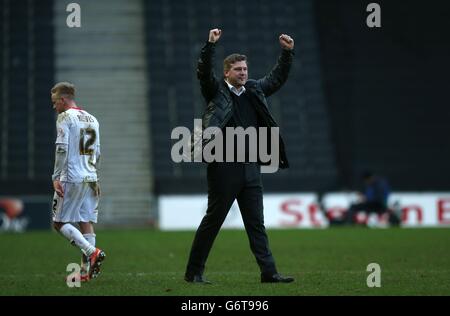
(149, 262)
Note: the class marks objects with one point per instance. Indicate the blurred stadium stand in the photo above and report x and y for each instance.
(356, 98)
(387, 91)
(105, 59)
(27, 121)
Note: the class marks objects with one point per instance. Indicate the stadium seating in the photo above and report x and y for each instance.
(27, 119)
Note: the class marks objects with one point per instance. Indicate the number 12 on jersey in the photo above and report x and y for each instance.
(87, 140)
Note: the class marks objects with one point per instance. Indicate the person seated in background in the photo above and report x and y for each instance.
(373, 199)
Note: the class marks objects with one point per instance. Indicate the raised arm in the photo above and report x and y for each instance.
(279, 74)
(205, 68)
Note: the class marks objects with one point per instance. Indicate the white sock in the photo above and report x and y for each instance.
(90, 238)
(75, 236)
(85, 261)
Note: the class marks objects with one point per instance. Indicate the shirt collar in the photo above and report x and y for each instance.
(234, 90)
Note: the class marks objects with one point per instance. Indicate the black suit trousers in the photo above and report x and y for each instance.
(227, 182)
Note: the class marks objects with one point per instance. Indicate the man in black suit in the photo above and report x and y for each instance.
(236, 101)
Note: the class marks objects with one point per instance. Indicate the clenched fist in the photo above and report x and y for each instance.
(286, 42)
(214, 35)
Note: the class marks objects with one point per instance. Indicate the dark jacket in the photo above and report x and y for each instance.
(219, 100)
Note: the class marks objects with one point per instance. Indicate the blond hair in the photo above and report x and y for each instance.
(65, 89)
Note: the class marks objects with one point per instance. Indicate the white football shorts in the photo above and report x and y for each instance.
(79, 204)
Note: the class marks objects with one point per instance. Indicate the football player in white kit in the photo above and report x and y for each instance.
(75, 177)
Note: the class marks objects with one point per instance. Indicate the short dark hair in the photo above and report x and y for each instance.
(231, 59)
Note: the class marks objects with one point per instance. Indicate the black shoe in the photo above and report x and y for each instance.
(276, 278)
(196, 279)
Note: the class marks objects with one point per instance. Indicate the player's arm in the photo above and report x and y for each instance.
(60, 162)
(94, 159)
(205, 68)
(61, 153)
(273, 81)
(97, 158)
(97, 168)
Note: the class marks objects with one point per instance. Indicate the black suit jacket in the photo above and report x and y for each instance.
(219, 101)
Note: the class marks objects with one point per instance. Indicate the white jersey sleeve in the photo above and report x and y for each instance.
(62, 129)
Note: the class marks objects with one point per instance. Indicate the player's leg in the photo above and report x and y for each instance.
(65, 211)
(87, 229)
(88, 216)
(74, 236)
